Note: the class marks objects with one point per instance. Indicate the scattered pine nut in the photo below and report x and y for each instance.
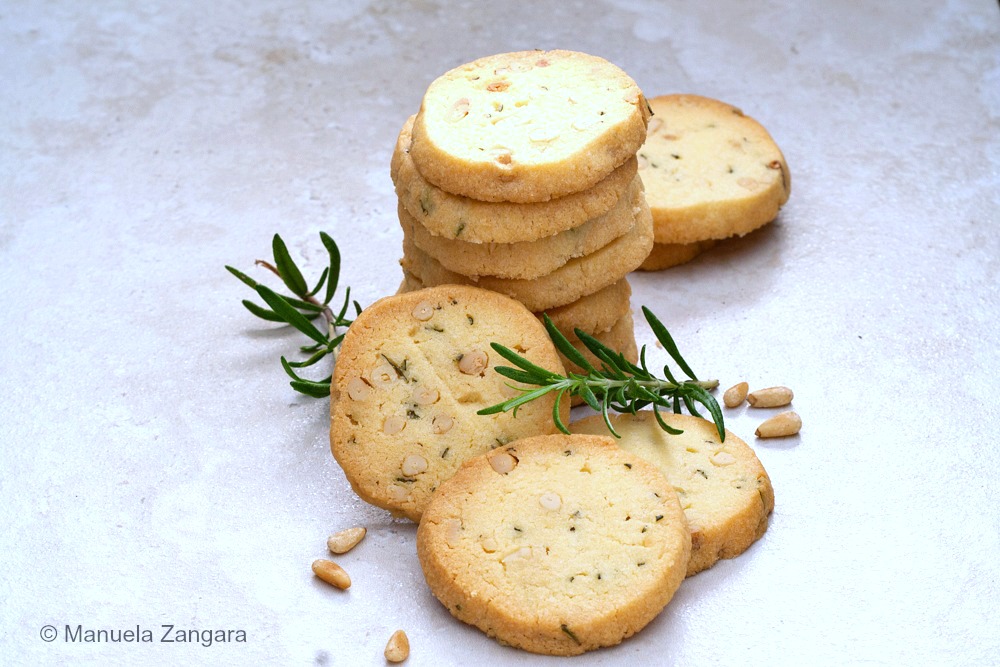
(780, 425)
(772, 397)
(331, 573)
(345, 540)
(735, 395)
(398, 648)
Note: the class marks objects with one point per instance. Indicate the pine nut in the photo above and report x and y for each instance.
(502, 462)
(722, 459)
(735, 395)
(779, 426)
(383, 375)
(331, 573)
(474, 362)
(398, 648)
(550, 500)
(358, 389)
(425, 396)
(772, 397)
(442, 424)
(423, 311)
(413, 465)
(345, 540)
(393, 424)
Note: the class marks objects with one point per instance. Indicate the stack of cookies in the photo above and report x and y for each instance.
(710, 173)
(519, 175)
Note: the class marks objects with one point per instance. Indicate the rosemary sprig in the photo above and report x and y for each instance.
(618, 385)
(300, 310)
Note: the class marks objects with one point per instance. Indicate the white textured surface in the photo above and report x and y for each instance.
(157, 468)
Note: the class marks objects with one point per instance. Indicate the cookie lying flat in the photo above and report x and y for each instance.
(527, 126)
(666, 255)
(723, 488)
(555, 544)
(412, 372)
(594, 313)
(575, 279)
(528, 259)
(710, 172)
(456, 217)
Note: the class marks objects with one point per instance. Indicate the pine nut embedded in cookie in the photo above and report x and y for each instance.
(414, 464)
(331, 573)
(442, 424)
(550, 501)
(735, 395)
(772, 397)
(398, 648)
(474, 362)
(383, 375)
(425, 396)
(423, 311)
(343, 541)
(358, 389)
(393, 425)
(503, 462)
(779, 426)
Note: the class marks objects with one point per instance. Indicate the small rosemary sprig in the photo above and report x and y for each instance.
(299, 310)
(618, 385)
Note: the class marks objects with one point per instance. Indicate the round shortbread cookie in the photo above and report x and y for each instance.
(456, 217)
(710, 172)
(411, 374)
(527, 126)
(555, 544)
(723, 488)
(528, 259)
(666, 255)
(575, 279)
(620, 337)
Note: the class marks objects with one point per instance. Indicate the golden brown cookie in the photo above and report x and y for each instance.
(667, 255)
(527, 260)
(555, 544)
(575, 279)
(411, 374)
(527, 126)
(456, 217)
(710, 171)
(724, 490)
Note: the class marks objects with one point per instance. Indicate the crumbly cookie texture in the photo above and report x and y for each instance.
(528, 259)
(527, 126)
(411, 374)
(724, 490)
(575, 279)
(620, 337)
(667, 255)
(555, 544)
(462, 218)
(710, 171)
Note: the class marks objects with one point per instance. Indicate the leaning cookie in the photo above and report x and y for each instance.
(411, 374)
(527, 126)
(555, 544)
(723, 488)
(456, 217)
(575, 279)
(710, 171)
(667, 255)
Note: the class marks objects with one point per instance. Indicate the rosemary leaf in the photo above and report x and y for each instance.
(262, 313)
(564, 346)
(287, 270)
(667, 341)
(288, 314)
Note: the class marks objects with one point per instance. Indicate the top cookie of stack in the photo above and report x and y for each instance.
(519, 175)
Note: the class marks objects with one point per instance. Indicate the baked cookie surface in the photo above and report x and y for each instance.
(456, 217)
(710, 171)
(527, 126)
(555, 544)
(725, 492)
(411, 374)
(666, 255)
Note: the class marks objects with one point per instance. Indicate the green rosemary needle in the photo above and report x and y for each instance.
(300, 310)
(618, 385)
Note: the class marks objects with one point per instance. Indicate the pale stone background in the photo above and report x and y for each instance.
(157, 468)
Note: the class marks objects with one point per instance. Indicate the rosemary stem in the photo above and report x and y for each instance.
(647, 384)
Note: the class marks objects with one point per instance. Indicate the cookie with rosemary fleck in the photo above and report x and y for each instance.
(666, 255)
(573, 280)
(555, 544)
(411, 374)
(710, 171)
(456, 217)
(528, 126)
(526, 260)
(724, 490)
(620, 337)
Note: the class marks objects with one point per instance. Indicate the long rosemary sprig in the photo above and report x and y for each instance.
(300, 310)
(617, 385)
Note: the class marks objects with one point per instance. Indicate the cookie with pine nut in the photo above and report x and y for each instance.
(452, 216)
(527, 260)
(666, 255)
(573, 280)
(527, 126)
(724, 490)
(524, 544)
(710, 171)
(411, 374)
